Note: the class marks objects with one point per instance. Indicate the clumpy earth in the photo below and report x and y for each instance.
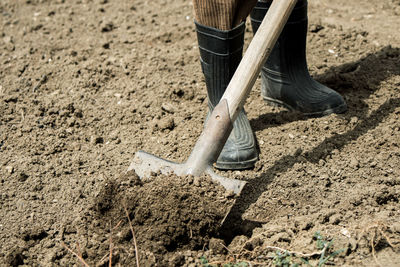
(86, 83)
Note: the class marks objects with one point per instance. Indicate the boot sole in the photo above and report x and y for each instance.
(248, 164)
(277, 103)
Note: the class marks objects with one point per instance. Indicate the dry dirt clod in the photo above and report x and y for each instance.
(167, 123)
(96, 140)
(168, 108)
(217, 246)
(9, 169)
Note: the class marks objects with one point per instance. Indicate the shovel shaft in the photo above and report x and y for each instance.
(211, 141)
(256, 55)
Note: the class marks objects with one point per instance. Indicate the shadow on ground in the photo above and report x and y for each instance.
(356, 81)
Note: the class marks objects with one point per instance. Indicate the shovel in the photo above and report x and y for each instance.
(220, 123)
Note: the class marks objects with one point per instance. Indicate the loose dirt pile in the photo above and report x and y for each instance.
(86, 83)
(168, 213)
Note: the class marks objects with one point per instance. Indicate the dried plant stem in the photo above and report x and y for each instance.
(299, 254)
(79, 251)
(133, 236)
(111, 247)
(373, 250)
(376, 228)
(76, 255)
(296, 253)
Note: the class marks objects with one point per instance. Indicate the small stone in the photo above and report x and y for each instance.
(217, 246)
(353, 120)
(352, 244)
(166, 123)
(11, 98)
(10, 169)
(7, 39)
(306, 225)
(65, 113)
(316, 28)
(238, 241)
(96, 140)
(177, 260)
(196, 181)
(78, 113)
(106, 45)
(108, 27)
(70, 122)
(396, 227)
(345, 232)
(168, 108)
(15, 257)
(253, 243)
(187, 253)
(23, 177)
(229, 194)
(354, 163)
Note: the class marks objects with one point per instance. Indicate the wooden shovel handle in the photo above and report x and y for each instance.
(256, 55)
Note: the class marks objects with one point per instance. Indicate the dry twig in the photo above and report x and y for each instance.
(376, 228)
(42, 80)
(234, 258)
(74, 253)
(296, 253)
(79, 251)
(111, 247)
(299, 254)
(133, 236)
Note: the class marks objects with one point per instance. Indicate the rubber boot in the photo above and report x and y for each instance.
(220, 54)
(285, 77)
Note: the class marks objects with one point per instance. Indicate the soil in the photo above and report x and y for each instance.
(84, 84)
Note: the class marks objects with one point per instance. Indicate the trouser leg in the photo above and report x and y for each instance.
(222, 14)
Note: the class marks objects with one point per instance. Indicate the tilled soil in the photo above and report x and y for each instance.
(84, 84)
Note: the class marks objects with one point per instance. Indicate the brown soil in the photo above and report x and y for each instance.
(86, 83)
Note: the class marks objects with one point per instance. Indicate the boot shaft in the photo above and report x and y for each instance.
(220, 54)
(290, 49)
(285, 77)
(298, 14)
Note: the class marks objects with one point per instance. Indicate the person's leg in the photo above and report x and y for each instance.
(285, 77)
(221, 46)
(222, 14)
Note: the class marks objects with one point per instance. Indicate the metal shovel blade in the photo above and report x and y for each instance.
(144, 164)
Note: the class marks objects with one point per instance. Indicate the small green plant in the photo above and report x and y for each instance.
(325, 246)
(205, 263)
(284, 259)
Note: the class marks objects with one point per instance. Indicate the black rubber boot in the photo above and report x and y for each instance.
(220, 54)
(285, 77)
